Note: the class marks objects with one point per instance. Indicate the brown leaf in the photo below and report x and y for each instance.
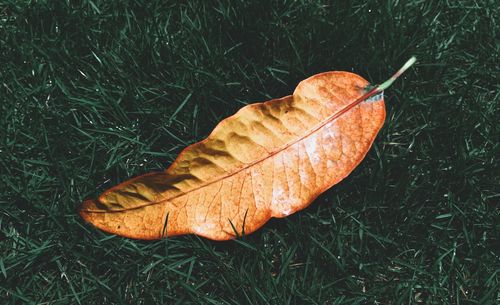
(268, 160)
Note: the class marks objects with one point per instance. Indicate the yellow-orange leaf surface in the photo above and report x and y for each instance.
(268, 160)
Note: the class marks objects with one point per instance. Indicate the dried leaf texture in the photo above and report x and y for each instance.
(268, 160)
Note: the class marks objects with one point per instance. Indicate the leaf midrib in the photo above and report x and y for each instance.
(270, 155)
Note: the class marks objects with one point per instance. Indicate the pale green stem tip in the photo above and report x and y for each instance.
(391, 80)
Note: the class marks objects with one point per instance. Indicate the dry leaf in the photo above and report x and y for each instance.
(268, 160)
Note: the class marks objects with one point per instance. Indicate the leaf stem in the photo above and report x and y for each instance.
(378, 89)
(391, 80)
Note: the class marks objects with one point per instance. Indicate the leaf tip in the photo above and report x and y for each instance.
(83, 209)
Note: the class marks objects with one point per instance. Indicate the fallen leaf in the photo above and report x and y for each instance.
(268, 160)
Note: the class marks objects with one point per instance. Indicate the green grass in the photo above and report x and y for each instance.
(95, 92)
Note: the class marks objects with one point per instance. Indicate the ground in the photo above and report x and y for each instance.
(95, 92)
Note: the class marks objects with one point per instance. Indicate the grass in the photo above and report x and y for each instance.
(95, 92)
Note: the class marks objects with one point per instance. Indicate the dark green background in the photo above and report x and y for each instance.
(95, 92)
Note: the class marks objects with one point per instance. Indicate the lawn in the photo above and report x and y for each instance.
(95, 92)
